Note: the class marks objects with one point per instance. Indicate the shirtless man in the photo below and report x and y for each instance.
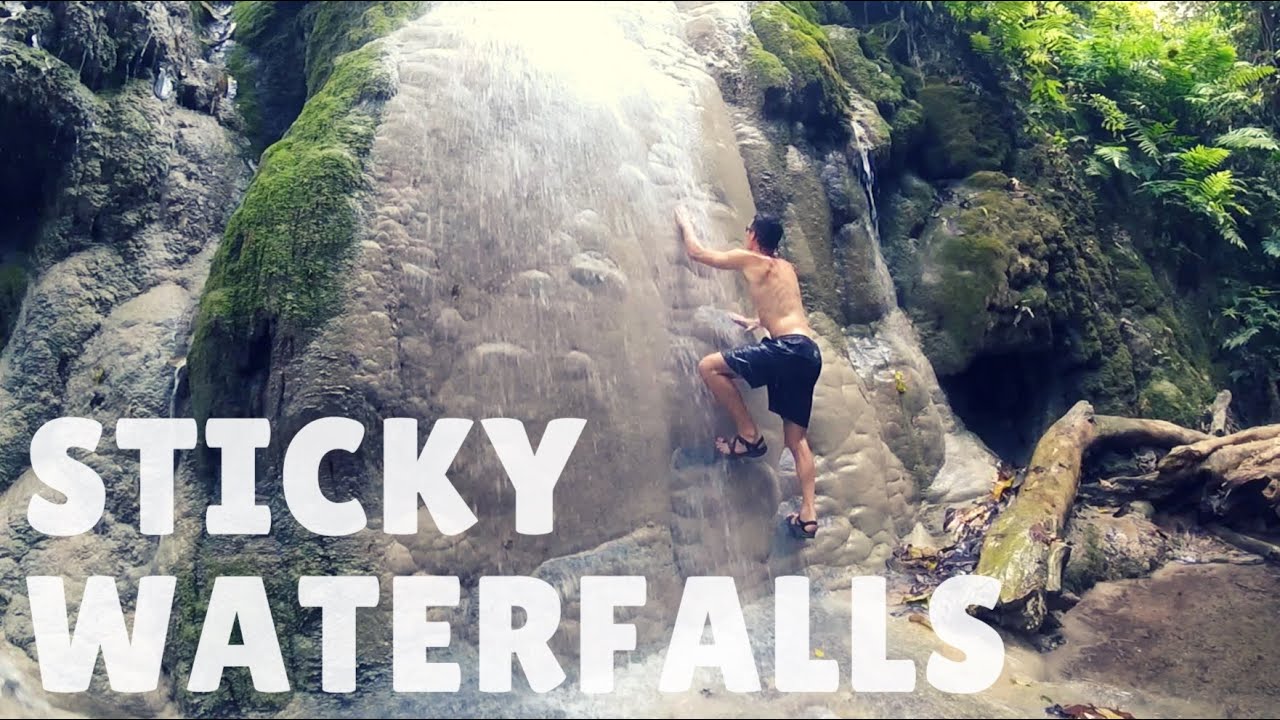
(788, 361)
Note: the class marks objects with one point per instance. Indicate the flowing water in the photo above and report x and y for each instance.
(527, 172)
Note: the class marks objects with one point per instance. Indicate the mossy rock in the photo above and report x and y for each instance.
(38, 82)
(268, 62)
(339, 27)
(980, 259)
(277, 273)
(873, 80)
(768, 74)
(1106, 548)
(286, 50)
(814, 93)
(13, 288)
(1182, 403)
(903, 217)
(1111, 386)
(1135, 284)
(963, 133)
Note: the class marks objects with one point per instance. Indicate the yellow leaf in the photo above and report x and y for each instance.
(1001, 487)
(818, 652)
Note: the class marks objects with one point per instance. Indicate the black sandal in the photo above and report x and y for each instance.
(800, 529)
(750, 450)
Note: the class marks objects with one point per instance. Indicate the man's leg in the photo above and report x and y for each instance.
(797, 441)
(719, 379)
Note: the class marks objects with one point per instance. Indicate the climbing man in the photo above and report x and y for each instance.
(788, 362)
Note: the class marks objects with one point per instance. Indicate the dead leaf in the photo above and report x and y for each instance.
(917, 598)
(920, 619)
(817, 652)
(1088, 712)
(1001, 487)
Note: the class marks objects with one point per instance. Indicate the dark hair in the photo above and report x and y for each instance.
(768, 229)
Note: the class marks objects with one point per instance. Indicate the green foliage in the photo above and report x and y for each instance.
(1123, 82)
(1251, 320)
(1211, 195)
(1247, 138)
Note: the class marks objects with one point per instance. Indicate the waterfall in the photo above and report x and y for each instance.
(526, 174)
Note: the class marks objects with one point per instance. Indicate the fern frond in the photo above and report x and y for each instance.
(1202, 159)
(1238, 340)
(1247, 138)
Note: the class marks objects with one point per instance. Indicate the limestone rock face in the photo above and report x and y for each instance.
(515, 256)
(114, 256)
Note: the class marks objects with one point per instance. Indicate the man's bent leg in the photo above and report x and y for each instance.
(797, 441)
(716, 374)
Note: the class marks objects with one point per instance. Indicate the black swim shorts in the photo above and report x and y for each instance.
(789, 365)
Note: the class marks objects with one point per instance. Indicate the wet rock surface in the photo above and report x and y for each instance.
(1203, 633)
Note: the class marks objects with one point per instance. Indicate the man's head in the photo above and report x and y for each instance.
(764, 235)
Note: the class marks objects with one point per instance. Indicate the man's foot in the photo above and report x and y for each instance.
(740, 447)
(801, 529)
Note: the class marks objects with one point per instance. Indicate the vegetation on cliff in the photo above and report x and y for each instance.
(277, 274)
(1164, 113)
(1145, 141)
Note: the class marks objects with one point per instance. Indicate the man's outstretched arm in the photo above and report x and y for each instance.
(735, 259)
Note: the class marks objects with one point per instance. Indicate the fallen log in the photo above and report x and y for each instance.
(1248, 543)
(1238, 472)
(1189, 456)
(1139, 432)
(1024, 548)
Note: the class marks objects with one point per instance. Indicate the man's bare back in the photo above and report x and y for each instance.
(775, 293)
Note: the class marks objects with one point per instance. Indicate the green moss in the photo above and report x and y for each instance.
(35, 80)
(818, 96)
(807, 10)
(13, 287)
(339, 27)
(266, 61)
(978, 262)
(277, 273)
(286, 50)
(1161, 399)
(973, 273)
(767, 71)
(963, 133)
(1112, 386)
(1088, 563)
(236, 694)
(1134, 283)
(1035, 297)
(875, 81)
(907, 131)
